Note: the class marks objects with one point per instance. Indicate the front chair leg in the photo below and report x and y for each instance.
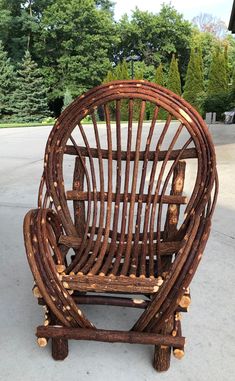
(59, 347)
(162, 353)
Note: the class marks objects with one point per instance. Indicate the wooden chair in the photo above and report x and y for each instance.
(112, 194)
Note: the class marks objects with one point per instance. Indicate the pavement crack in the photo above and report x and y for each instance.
(224, 234)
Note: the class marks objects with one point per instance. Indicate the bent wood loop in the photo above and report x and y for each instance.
(132, 198)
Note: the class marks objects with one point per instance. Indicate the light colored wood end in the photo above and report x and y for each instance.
(36, 292)
(185, 301)
(42, 342)
(178, 353)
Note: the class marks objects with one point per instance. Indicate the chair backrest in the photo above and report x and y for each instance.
(122, 177)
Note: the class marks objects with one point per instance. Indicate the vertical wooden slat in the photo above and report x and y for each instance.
(103, 248)
(94, 218)
(126, 185)
(96, 248)
(74, 264)
(118, 191)
(153, 212)
(134, 260)
(133, 191)
(148, 204)
(173, 210)
(79, 206)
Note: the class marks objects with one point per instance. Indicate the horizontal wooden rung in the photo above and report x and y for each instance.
(165, 247)
(131, 337)
(84, 196)
(98, 283)
(189, 153)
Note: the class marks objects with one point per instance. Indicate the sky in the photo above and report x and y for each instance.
(218, 8)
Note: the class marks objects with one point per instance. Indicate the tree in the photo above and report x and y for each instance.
(6, 83)
(194, 84)
(233, 80)
(77, 43)
(120, 72)
(20, 26)
(154, 36)
(29, 102)
(174, 83)
(218, 81)
(159, 76)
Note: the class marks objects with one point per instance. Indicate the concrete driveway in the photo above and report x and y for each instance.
(209, 326)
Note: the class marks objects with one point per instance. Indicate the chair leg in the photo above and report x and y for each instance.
(162, 353)
(60, 349)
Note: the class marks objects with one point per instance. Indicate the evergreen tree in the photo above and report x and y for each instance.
(159, 76)
(67, 99)
(6, 83)
(174, 83)
(226, 61)
(109, 77)
(233, 80)
(194, 85)
(159, 79)
(121, 71)
(29, 102)
(218, 81)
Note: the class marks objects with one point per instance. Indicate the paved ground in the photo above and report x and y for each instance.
(209, 325)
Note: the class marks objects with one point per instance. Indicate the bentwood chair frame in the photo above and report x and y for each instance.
(126, 230)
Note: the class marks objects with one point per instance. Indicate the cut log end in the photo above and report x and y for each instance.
(60, 268)
(185, 301)
(42, 342)
(178, 353)
(36, 292)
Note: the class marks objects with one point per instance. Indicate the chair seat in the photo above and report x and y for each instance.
(147, 282)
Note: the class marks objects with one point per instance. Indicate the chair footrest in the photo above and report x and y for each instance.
(110, 336)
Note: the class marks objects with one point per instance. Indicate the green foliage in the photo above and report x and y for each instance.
(233, 80)
(219, 103)
(154, 36)
(67, 99)
(174, 82)
(207, 42)
(6, 83)
(194, 84)
(159, 75)
(218, 81)
(77, 41)
(76, 44)
(29, 99)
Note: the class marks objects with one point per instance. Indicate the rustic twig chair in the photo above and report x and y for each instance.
(123, 214)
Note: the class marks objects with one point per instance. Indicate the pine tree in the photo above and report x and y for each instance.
(6, 83)
(29, 102)
(174, 83)
(233, 80)
(194, 85)
(159, 76)
(226, 60)
(218, 81)
(67, 99)
(109, 77)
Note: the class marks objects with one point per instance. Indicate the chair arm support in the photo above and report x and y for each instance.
(42, 229)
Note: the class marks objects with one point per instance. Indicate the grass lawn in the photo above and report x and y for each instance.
(14, 125)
